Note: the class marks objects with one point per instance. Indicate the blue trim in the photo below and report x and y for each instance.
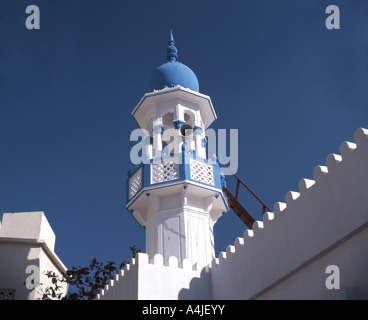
(197, 130)
(178, 124)
(203, 186)
(163, 182)
(204, 142)
(152, 187)
(223, 179)
(186, 161)
(146, 174)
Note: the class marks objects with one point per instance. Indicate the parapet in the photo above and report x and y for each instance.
(321, 218)
(28, 225)
(158, 279)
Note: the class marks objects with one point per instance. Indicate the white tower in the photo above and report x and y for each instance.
(177, 194)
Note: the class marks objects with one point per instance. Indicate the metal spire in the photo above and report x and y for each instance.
(171, 37)
(172, 51)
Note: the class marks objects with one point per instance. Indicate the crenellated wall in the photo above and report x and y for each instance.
(325, 223)
(286, 254)
(155, 279)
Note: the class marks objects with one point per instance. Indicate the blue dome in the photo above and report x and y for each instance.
(174, 73)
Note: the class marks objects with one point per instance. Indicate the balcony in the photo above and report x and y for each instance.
(178, 169)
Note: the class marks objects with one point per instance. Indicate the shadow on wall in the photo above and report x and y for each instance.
(199, 288)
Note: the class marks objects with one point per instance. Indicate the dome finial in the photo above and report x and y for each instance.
(172, 52)
(171, 37)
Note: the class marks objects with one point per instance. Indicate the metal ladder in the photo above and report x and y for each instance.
(235, 205)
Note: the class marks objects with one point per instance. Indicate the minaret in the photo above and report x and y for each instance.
(177, 193)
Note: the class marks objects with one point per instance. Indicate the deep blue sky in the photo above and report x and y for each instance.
(294, 89)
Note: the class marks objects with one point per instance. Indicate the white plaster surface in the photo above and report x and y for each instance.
(27, 239)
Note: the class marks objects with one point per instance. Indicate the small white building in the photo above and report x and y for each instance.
(313, 246)
(27, 244)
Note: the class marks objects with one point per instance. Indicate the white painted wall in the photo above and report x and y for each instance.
(325, 223)
(155, 280)
(179, 220)
(26, 239)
